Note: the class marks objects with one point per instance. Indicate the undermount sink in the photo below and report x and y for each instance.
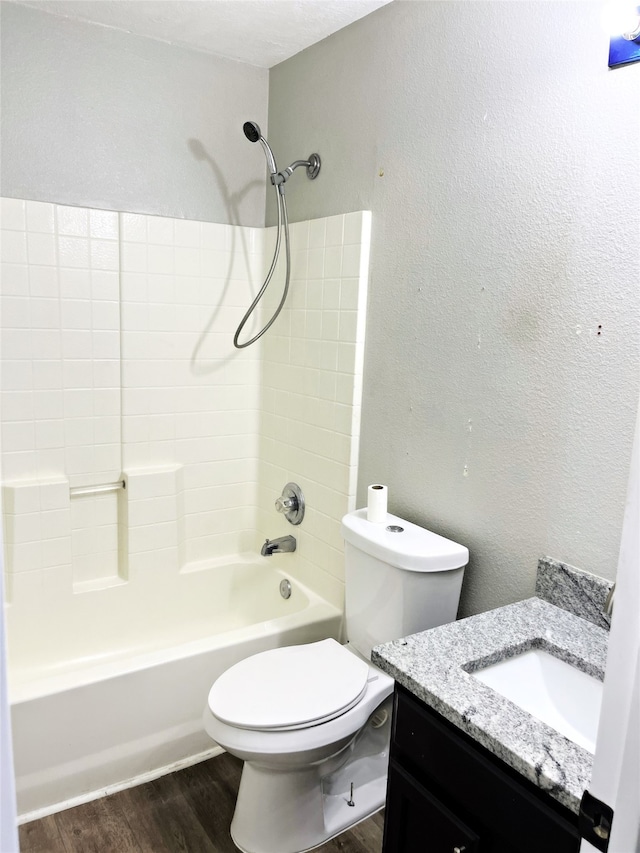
(552, 690)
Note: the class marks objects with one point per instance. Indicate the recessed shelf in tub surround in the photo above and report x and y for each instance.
(37, 526)
(94, 536)
(437, 666)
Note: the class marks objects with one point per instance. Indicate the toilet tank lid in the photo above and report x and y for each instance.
(412, 548)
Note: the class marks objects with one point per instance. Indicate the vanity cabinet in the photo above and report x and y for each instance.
(447, 794)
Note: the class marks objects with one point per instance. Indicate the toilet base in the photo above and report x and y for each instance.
(303, 823)
(296, 810)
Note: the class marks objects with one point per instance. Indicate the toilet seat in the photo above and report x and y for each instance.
(290, 688)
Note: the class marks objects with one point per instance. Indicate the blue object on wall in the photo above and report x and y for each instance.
(622, 51)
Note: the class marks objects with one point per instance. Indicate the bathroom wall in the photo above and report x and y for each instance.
(96, 117)
(498, 155)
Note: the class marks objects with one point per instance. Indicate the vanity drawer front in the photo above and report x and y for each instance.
(476, 785)
(417, 821)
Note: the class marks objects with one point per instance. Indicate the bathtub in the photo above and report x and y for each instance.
(112, 692)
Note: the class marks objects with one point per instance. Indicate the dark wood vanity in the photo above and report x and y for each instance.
(448, 794)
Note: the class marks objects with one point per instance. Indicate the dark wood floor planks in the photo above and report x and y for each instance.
(211, 796)
(102, 825)
(41, 836)
(185, 812)
(164, 820)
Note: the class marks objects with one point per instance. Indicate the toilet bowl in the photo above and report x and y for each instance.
(312, 723)
(309, 721)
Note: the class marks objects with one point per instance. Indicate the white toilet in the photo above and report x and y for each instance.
(312, 722)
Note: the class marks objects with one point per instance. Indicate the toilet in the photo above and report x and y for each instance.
(312, 722)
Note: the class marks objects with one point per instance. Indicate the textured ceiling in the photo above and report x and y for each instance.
(260, 32)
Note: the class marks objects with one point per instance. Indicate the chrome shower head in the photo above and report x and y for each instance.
(253, 134)
(251, 131)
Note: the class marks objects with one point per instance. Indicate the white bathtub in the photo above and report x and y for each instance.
(110, 692)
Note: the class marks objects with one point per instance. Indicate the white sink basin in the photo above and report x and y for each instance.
(555, 692)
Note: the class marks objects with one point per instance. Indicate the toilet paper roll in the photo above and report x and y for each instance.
(377, 503)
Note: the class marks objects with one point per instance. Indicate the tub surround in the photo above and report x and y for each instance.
(311, 390)
(119, 364)
(575, 590)
(437, 665)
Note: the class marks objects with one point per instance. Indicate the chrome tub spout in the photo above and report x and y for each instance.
(283, 545)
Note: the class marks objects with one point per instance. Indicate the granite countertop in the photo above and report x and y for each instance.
(436, 667)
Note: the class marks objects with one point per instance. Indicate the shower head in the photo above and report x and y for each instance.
(253, 134)
(251, 131)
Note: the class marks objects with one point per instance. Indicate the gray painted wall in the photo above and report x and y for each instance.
(97, 117)
(501, 372)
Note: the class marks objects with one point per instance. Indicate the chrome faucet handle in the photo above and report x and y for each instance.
(284, 504)
(291, 503)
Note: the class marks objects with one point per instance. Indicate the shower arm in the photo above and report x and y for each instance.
(312, 166)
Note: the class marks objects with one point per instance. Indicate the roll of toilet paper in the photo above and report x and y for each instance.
(377, 503)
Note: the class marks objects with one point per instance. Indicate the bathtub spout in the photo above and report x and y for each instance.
(285, 544)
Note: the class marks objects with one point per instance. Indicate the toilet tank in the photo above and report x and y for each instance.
(399, 579)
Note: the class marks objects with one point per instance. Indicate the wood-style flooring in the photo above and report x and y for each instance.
(185, 812)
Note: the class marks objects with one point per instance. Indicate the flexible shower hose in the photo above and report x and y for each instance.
(283, 224)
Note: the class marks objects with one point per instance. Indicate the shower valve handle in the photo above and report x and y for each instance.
(285, 504)
(291, 503)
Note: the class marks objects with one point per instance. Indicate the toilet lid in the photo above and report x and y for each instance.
(288, 688)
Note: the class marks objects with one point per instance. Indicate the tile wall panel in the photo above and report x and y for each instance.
(60, 378)
(60, 343)
(117, 360)
(189, 397)
(312, 387)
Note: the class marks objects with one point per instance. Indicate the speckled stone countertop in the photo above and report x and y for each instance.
(436, 667)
